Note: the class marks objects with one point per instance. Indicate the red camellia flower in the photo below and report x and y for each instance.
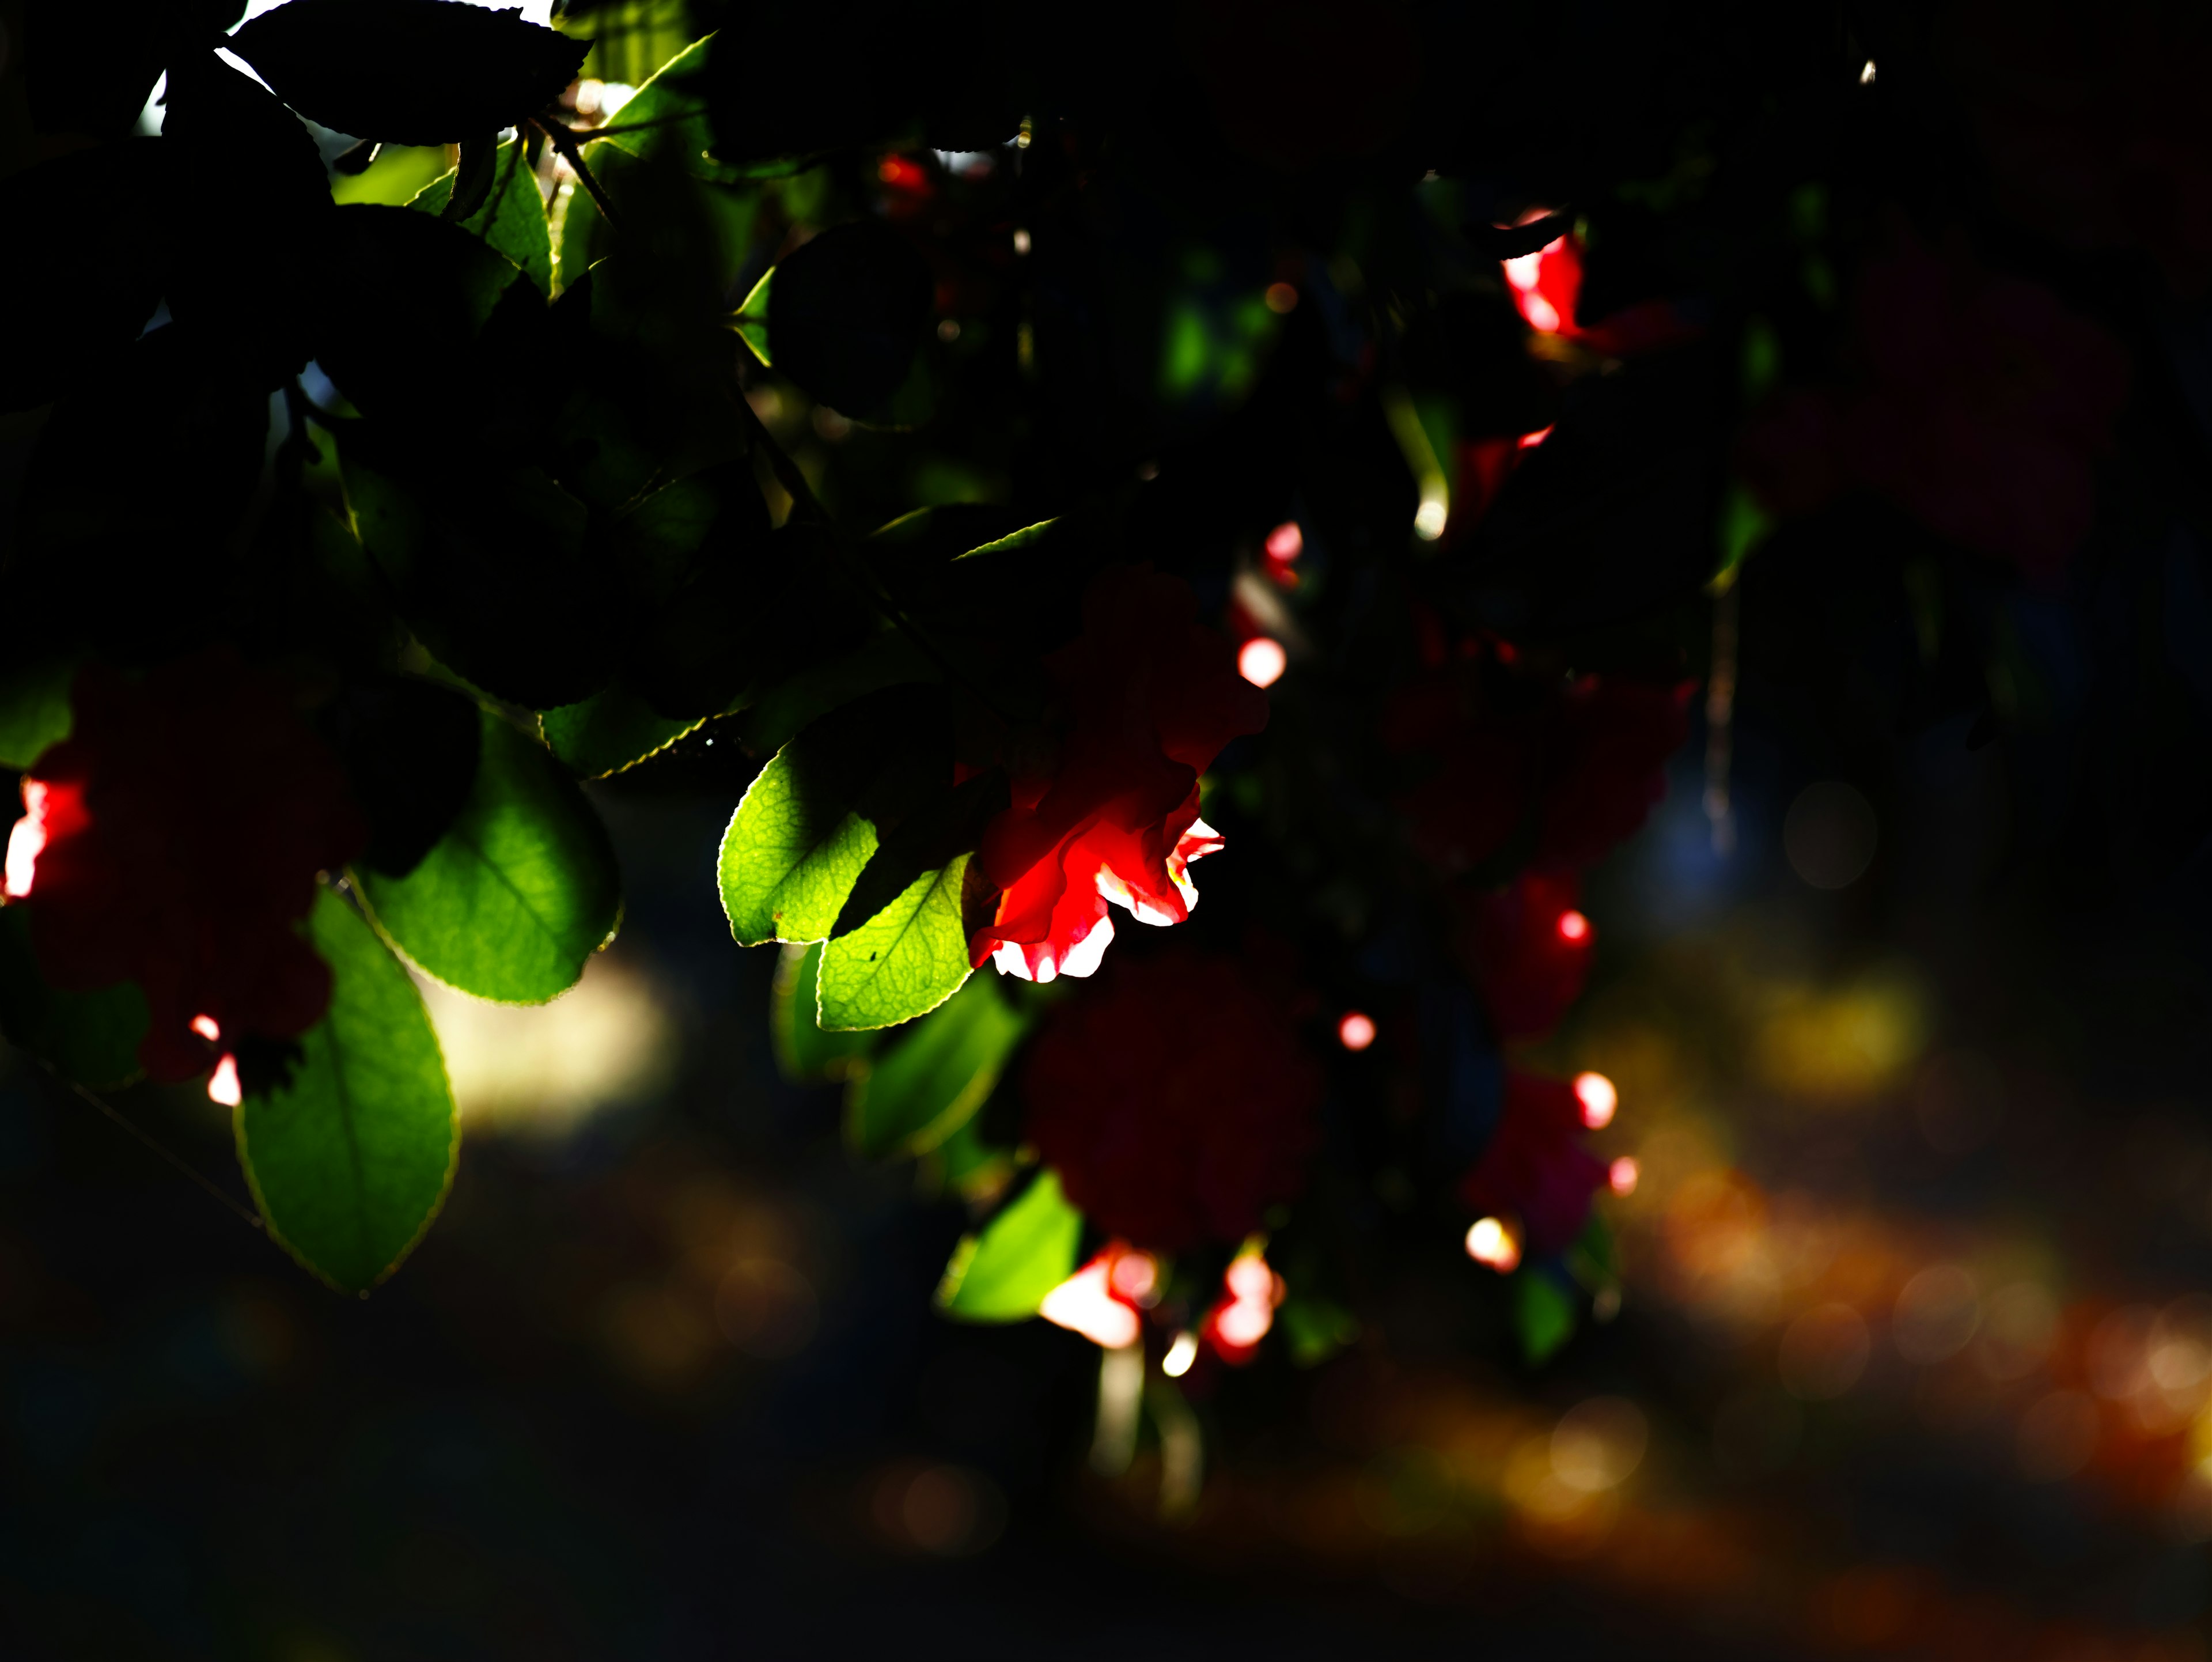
(1983, 406)
(1174, 1100)
(1536, 1167)
(172, 839)
(1575, 765)
(1147, 698)
(1528, 948)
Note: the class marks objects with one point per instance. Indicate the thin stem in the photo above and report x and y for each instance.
(588, 135)
(159, 1149)
(565, 145)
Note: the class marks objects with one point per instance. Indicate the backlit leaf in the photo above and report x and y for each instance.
(806, 1053)
(1003, 1274)
(610, 730)
(512, 219)
(351, 1161)
(930, 1082)
(519, 893)
(908, 959)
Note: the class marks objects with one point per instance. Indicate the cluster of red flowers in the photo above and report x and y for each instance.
(1176, 1101)
(1147, 696)
(173, 840)
(1982, 407)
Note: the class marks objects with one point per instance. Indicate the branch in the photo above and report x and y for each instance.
(1512, 241)
(565, 145)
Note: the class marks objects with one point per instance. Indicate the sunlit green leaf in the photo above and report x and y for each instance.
(908, 959)
(512, 219)
(930, 1082)
(519, 894)
(1003, 1274)
(351, 1161)
(90, 1038)
(610, 730)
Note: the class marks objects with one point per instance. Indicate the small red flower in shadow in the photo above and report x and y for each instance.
(1537, 1168)
(1527, 948)
(1147, 698)
(1982, 408)
(173, 840)
(1572, 767)
(1174, 1100)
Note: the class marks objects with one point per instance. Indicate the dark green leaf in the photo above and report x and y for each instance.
(906, 960)
(408, 71)
(930, 1082)
(34, 709)
(806, 1054)
(90, 1038)
(512, 217)
(886, 659)
(351, 1161)
(1028, 1249)
(610, 730)
(1316, 1328)
(520, 892)
(816, 812)
(410, 749)
(88, 266)
(1543, 1315)
(847, 314)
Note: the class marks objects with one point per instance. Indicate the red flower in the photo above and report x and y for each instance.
(1175, 1102)
(1147, 698)
(1536, 1167)
(1548, 286)
(173, 839)
(1528, 948)
(1983, 406)
(1576, 766)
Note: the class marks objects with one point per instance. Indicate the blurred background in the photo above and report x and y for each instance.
(1909, 1357)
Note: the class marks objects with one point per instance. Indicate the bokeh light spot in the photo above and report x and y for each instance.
(1357, 1031)
(1261, 661)
(1598, 1098)
(1494, 1242)
(1830, 834)
(1281, 298)
(1573, 927)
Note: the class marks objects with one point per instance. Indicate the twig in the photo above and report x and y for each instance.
(565, 144)
(175, 1159)
(586, 135)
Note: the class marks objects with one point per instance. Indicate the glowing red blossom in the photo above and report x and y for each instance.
(1537, 1168)
(1564, 768)
(1526, 949)
(176, 838)
(1174, 1100)
(1241, 1316)
(1548, 286)
(1147, 698)
(1982, 407)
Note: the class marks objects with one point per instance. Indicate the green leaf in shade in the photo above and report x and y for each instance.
(807, 1055)
(908, 959)
(519, 894)
(351, 1161)
(750, 319)
(90, 1038)
(886, 659)
(1316, 1328)
(1003, 1274)
(512, 219)
(1543, 1315)
(34, 711)
(809, 821)
(930, 1083)
(610, 730)
(977, 1171)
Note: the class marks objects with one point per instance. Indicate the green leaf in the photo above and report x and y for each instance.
(90, 1038)
(807, 1055)
(973, 1169)
(519, 894)
(512, 219)
(886, 659)
(908, 959)
(1543, 1315)
(1027, 537)
(930, 1083)
(809, 821)
(351, 1161)
(1316, 1328)
(1003, 1274)
(750, 319)
(667, 119)
(34, 709)
(610, 730)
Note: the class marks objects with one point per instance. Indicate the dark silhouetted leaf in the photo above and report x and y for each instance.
(520, 891)
(351, 1160)
(85, 264)
(90, 1038)
(408, 71)
(847, 314)
(92, 67)
(512, 219)
(410, 749)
